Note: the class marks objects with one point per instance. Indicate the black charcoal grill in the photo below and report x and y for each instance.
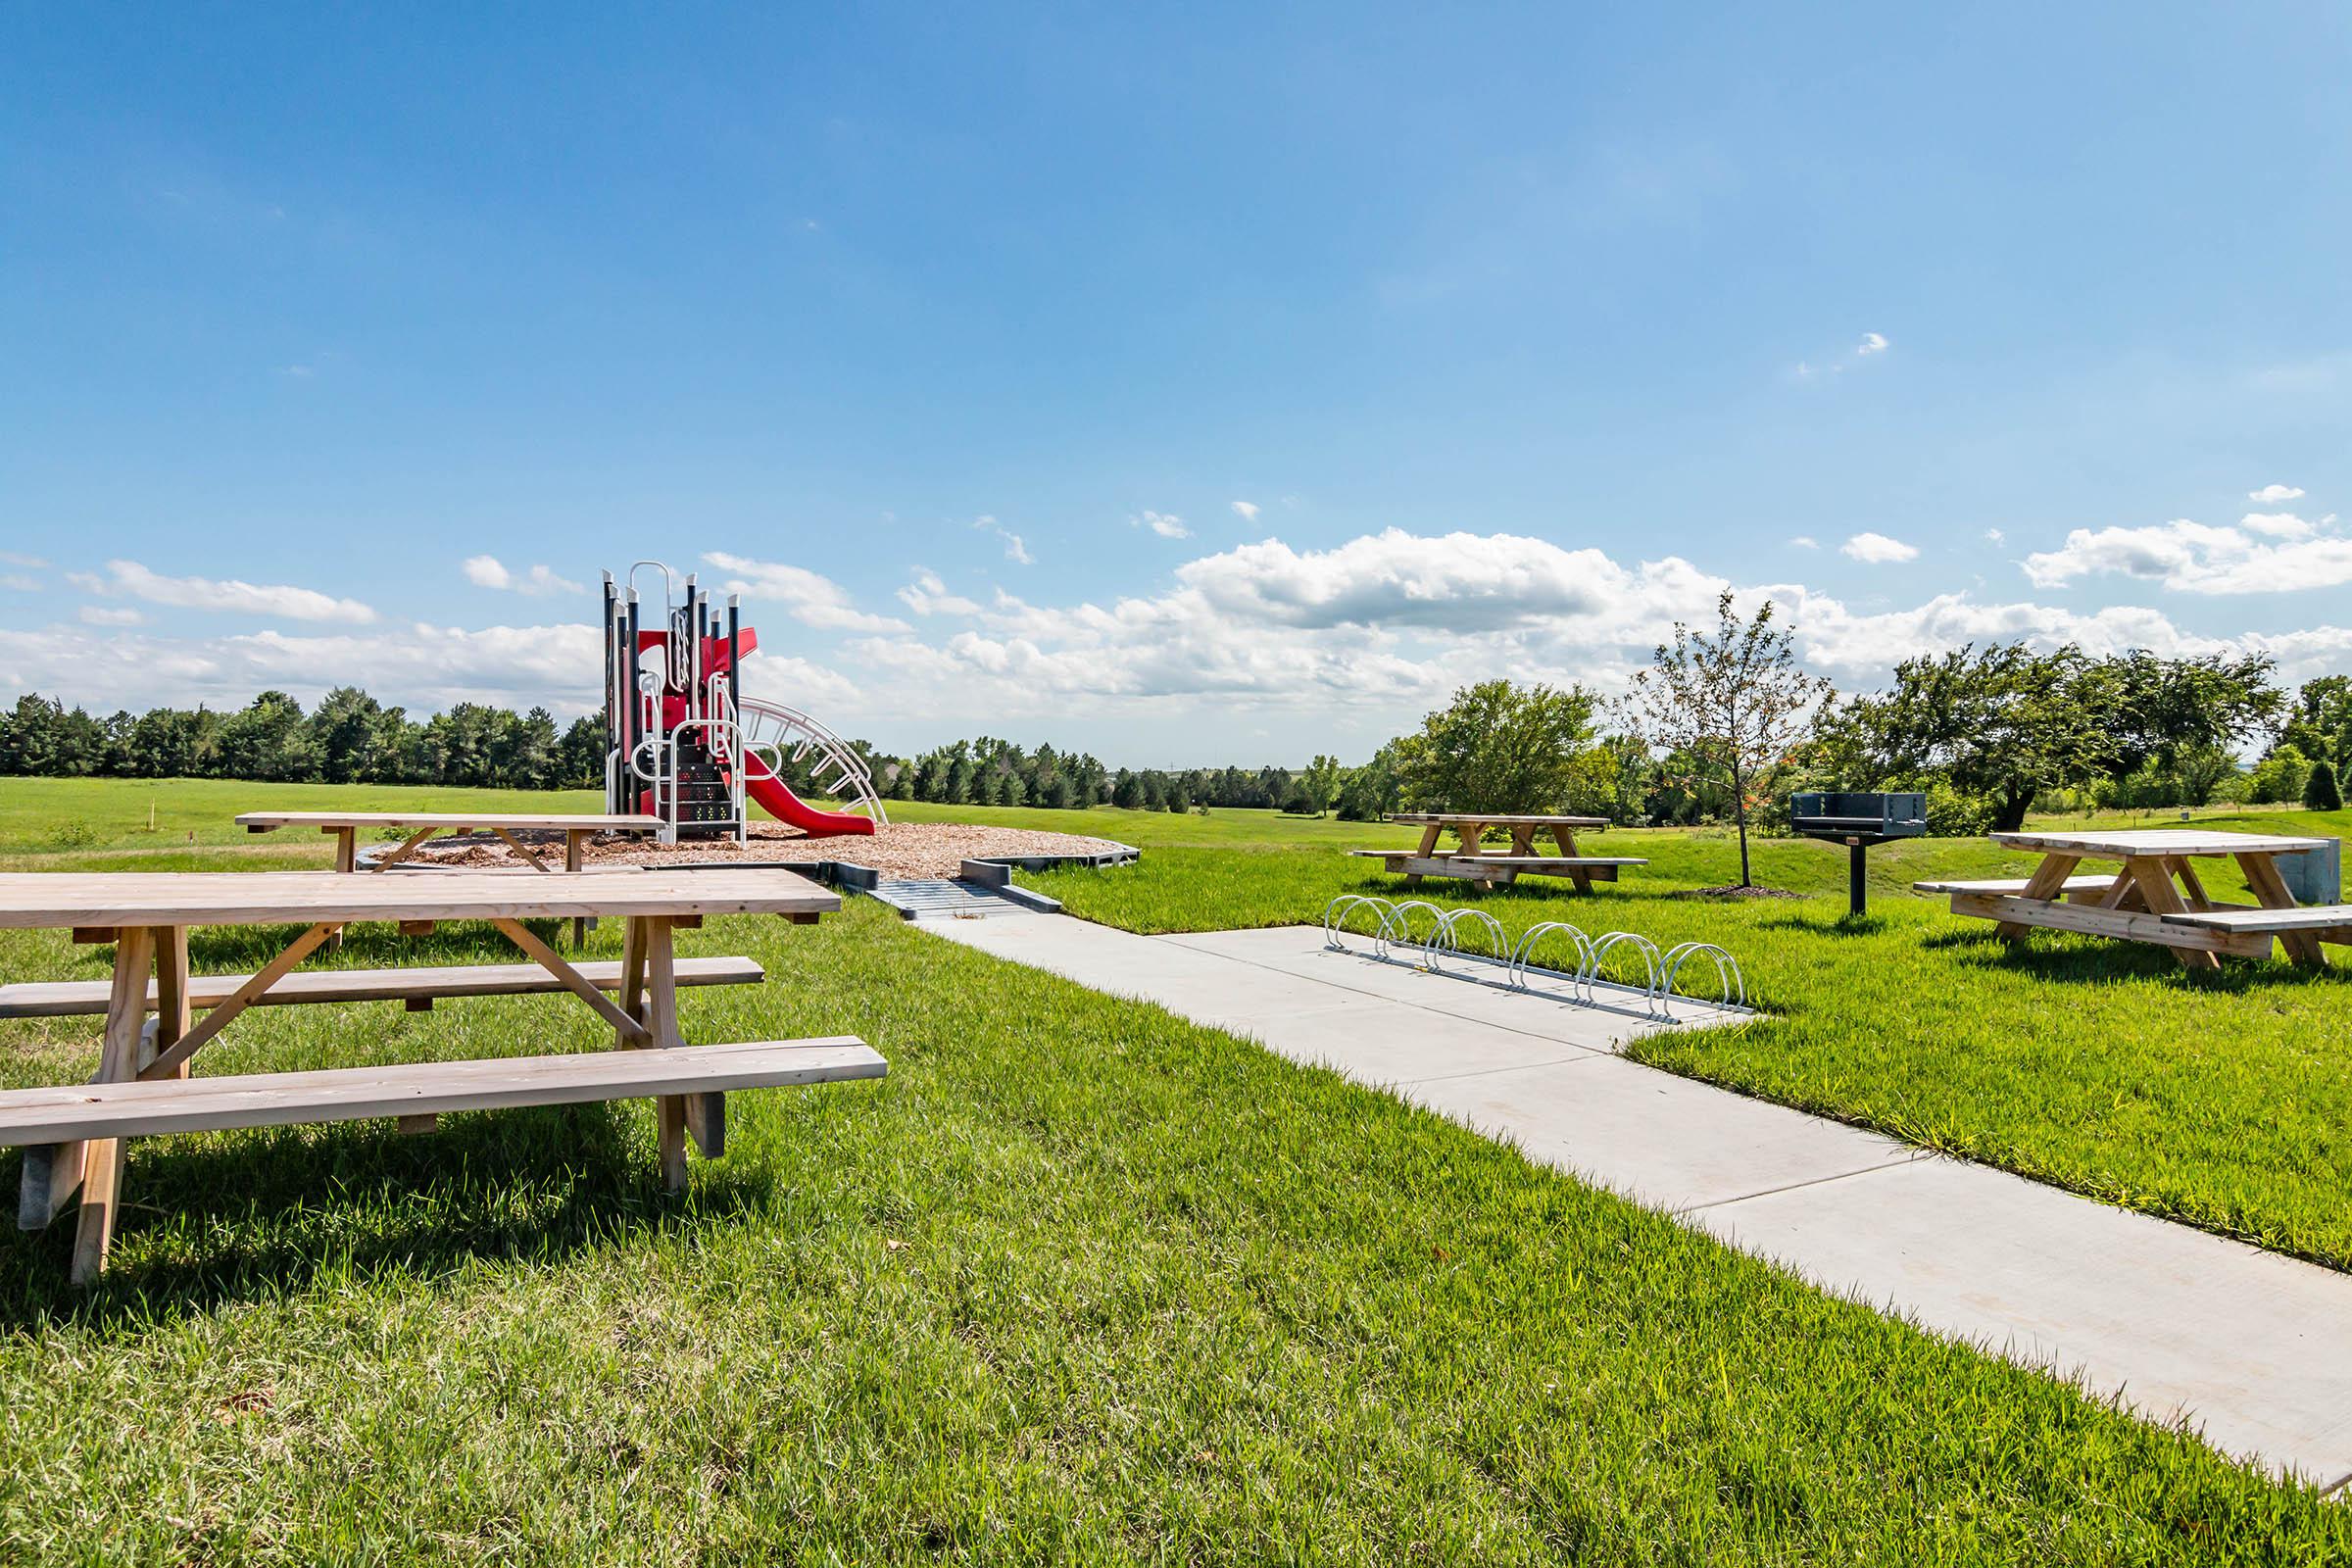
(1857, 820)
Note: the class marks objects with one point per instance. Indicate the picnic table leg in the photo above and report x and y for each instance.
(174, 1013)
(2153, 876)
(1427, 847)
(2045, 884)
(662, 1016)
(572, 862)
(1564, 841)
(118, 1063)
(347, 858)
(2270, 891)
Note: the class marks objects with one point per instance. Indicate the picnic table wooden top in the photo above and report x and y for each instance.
(2129, 843)
(622, 823)
(32, 900)
(1493, 820)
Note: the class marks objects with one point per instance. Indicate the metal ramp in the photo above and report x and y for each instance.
(947, 899)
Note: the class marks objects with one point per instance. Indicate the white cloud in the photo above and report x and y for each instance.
(2277, 524)
(1014, 551)
(1351, 640)
(2273, 494)
(1166, 524)
(1994, 536)
(1805, 540)
(929, 596)
(1247, 510)
(18, 582)
(806, 596)
(487, 571)
(11, 557)
(228, 596)
(1878, 549)
(2198, 558)
(1873, 343)
(111, 616)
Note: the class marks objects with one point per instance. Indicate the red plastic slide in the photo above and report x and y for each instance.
(778, 800)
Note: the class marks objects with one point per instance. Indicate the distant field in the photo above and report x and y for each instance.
(1082, 1281)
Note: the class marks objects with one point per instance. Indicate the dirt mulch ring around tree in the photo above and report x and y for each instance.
(897, 849)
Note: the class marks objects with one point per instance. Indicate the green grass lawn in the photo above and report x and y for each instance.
(1078, 1282)
(2223, 1100)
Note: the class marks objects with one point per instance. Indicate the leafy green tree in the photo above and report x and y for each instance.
(2320, 793)
(1371, 792)
(2279, 777)
(1496, 747)
(2164, 708)
(2002, 722)
(580, 753)
(1734, 699)
(1320, 784)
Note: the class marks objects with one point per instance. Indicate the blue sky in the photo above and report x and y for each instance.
(1189, 384)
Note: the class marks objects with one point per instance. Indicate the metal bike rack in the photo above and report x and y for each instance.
(1451, 938)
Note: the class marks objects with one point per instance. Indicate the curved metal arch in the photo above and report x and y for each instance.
(1335, 913)
(1523, 961)
(1498, 944)
(1650, 964)
(1397, 930)
(1730, 983)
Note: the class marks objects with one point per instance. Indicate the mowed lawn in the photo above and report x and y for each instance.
(2222, 1099)
(1078, 1282)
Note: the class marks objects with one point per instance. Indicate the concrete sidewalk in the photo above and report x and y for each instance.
(2254, 1347)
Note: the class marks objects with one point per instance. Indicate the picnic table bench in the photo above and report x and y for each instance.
(73, 1136)
(2155, 895)
(1468, 863)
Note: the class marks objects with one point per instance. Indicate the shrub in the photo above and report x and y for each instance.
(2320, 793)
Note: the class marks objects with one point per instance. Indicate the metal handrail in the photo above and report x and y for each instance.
(851, 781)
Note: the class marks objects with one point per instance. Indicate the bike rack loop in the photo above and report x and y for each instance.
(1732, 983)
(1580, 978)
(1335, 913)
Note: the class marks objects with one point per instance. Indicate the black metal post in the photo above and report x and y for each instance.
(630, 736)
(1857, 890)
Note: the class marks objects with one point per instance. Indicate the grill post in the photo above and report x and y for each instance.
(1857, 890)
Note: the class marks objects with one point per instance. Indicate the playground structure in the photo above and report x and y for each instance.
(1438, 947)
(684, 745)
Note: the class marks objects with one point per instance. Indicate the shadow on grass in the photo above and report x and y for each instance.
(257, 1214)
(1846, 924)
(2101, 960)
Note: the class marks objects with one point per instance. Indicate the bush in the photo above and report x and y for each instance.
(2320, 793)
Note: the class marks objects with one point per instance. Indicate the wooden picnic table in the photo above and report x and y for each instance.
(1470, 863)
(577, 827)
(346, 826)
(147, 917)
(2155, 895)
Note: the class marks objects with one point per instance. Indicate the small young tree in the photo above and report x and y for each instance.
(1737, 699)
(2320, 792)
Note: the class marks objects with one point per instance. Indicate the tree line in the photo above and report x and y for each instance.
(1723, 726)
